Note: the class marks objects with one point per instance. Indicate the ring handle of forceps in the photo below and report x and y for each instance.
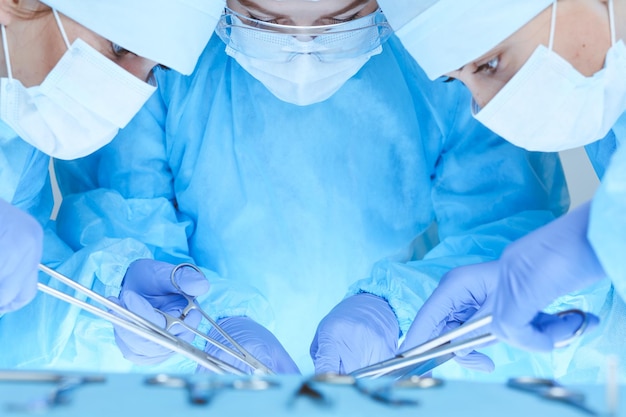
(579, 332)
(190, 300)
(244, 356)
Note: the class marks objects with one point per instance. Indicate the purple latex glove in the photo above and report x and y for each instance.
(147, 286)
(460, 294)
(535, 270)
(21, 244)
(254, 338)
(532, 272)
(360, 331)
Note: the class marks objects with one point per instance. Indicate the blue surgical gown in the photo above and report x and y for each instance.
(310, 204)
(48, 333)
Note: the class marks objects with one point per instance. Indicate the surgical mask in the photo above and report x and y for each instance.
(79, 107)
(550, 106)
(298, 64)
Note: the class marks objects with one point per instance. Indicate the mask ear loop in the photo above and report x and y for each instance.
(552, 26)
(5, 46)
(60, 25)
(612, 22)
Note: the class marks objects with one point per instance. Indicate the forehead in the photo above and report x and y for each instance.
(296, 8)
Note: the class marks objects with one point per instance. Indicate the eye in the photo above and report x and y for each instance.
(337, 20)
(490, 67)
(265, 19)
(118, 51)
(448, 79)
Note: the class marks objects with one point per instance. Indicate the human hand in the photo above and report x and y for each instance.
(147, 286)
(461, 293)
(535, 270)
(21, 245)
(254, 338)
(359, 331)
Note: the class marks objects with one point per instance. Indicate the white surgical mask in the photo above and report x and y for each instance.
(304, 80)
(79, 107)
(306, 71)
(550, 106)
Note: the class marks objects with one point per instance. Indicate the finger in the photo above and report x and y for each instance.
(562, 328)
(192, 320)
(150, 277)
(476, 361)
(134, 347)
(454, 300)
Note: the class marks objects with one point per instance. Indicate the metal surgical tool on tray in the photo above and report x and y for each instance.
(435, 352)
(148, 330)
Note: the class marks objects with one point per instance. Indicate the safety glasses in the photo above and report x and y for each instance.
(282, 43)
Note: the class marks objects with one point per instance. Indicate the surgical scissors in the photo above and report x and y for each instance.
(132, 322)
(427, 356)
(551, 390)
(242, 354)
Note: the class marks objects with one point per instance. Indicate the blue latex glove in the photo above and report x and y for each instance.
(535, 270)
(460, 294)
(147, 286)
(361, 330)
(21, 244)
(257, 340)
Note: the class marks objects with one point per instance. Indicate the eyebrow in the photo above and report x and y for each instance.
(251, 5)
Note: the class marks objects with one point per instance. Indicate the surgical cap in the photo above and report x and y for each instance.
(170, 32)
(444, 35)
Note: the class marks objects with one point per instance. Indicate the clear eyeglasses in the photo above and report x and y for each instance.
(282, 43)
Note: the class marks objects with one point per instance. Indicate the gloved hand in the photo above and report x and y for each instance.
(535, 270)
(460, 294)
(147, 286)
(361, 330)
(21, 244)
(257, 340)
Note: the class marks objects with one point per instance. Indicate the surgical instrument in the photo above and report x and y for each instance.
(132, 322)
(241, 354)
(65, 385)
(551, 390)
(44, 377)
(201, 390)
(442, 349)
(380, 393)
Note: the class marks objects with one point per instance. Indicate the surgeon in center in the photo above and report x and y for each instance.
(319, 179)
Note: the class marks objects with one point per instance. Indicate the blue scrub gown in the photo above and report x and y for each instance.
(48, 333)
(309, 204)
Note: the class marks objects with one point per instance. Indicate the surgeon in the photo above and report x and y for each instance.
(308, 156)
(546, 75)
(73, 74)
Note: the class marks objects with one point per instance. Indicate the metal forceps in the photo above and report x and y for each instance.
(241, 353)
(551, 390)
(132, 322)
(427, 356)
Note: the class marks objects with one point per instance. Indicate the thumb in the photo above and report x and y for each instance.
(191, 281)
(325, 356)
